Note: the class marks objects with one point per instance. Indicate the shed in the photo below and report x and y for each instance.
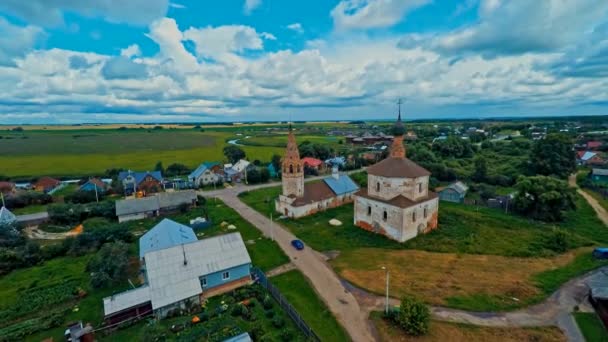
(599, 176)
(165, 234)
(454, 192)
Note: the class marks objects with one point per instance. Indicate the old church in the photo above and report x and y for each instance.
(300, 199)
(397, 201)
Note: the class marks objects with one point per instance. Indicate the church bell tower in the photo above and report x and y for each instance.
(292, 168)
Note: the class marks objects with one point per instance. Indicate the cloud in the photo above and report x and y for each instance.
(176, 5)
(131, 51)
(16, 41)
(123, 68)
(51, 12)
(297, 27)
(369, 14)
(214, 42)
(251, 5)
(78, 62)
(167, 35)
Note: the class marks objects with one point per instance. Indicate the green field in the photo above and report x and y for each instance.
(591, 326)
(280, 140)
(295, 287)
(73, 153)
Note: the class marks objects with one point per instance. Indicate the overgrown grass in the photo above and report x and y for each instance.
(591, 327)
(295, 287)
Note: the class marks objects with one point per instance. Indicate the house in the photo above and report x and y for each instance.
(241, 165)
(594, 145)
(165, 234)
(7, 188)
(397, 202)
(94, 184)
(158, 204)
(589, 158)
(313, 163)
(146, 182)
(6, 217)
(454, 192)
(231, 175)
(46, 184)
(236, 172)
(207, 173)
(300, 199)
(182, 277)
(599, 176)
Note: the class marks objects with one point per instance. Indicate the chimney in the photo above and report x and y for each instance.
(334, 172)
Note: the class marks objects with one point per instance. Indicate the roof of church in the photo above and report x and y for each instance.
(314, 192)
(397, 201)
(291, 152)
(397, 168)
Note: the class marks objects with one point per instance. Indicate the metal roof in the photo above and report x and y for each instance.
(244, 337)
(201, 168)
(588, 155)
(343, 184)
(599, 293)
(175, 198)
(173, 273)
(125, 300)
(241, 165)
(165, 234)
(600, 172)
(6, 217)
(136, 205)
(139, 176)
(459, 187)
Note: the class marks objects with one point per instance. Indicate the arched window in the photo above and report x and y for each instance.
(413, 216)
(378, 187)
(298, 168)
(385, 216)
(369, 210)
(425, 211)
(291, 168)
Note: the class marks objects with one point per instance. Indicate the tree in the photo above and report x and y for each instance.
(176, 169)
(159, 167)
(276, 162)
(109, 265)
(553, 156)
(234, 153)
(413, 316)
(253, 175)
(481, 169)
(543, 198)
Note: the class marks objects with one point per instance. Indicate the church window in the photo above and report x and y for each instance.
(385, 216)
(290, 168)
(425, 212)
(369, 210)
(414, 216)
(419, 187)
(378, 187)
(298, 168)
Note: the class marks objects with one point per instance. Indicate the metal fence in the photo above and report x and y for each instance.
(291, 311)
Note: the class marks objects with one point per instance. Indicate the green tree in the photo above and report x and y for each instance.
(159, 167)
(413, 316)
(553, 156)
(177, 169)
(276, 162)
(109, 265)
(543, 198)
(233, 153)
(480, 173)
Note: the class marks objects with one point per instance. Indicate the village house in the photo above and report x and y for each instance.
(207, 173)
(165, 234)
(94, 184)
(158, 204)
(313, 164)
(599, 176)
(593, 145)
(46, 184)
(7, 188)
(397, 202)
(300, 199)
(146, 182)
(589, 158)
(182, 276)
(454, 192)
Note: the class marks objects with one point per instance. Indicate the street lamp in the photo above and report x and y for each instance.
(387, 279)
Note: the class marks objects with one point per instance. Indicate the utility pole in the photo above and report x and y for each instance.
(96, 195)
(2, 197)
(387, 280)
(271, 228)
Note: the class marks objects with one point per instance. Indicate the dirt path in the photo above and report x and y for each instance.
(281, 269)
(602, 214)
(35, 233)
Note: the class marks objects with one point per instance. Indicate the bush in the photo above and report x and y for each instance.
(109, 265)
(413, 316)
(278, 322)
(269, 313)
(558, 241)
(267, 302)
(286, 335)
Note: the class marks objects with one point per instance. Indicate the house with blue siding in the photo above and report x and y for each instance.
(207, 173)
(94, 184)
(454, 192)
(183, 276)
(148, 182)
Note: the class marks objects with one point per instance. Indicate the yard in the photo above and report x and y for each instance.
(470, 248)
(443, 331)
(591, 326)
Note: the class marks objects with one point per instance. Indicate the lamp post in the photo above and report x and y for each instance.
(387, 279)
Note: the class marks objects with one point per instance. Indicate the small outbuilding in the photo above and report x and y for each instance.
(454, 192)
(599, 176)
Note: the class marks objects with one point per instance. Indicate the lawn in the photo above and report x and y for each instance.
(443, 331)
(298, 291)
(591, 326)
(30, 209)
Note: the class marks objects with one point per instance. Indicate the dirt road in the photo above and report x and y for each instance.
(602, 214)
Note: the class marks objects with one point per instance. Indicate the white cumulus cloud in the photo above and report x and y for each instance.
(251, 5)
(369, 14)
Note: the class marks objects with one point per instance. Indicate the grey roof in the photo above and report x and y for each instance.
(6, 217)
(175, 198)
(165, 234)
(173, 273)
(137, 205)
(125, 300)
(460, 187)
(599, 293)
(33, 217)
(600, 172)
(244, 337)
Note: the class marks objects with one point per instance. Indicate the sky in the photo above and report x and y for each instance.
(73, 61)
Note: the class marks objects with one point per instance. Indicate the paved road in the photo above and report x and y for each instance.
(601, 212)
(326, 283)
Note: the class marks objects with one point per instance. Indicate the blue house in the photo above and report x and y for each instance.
(149, 181)
(454, 192)
(165, 234)
(93, 183)
(206, 173)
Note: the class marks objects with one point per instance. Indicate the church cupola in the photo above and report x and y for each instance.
(292, 168)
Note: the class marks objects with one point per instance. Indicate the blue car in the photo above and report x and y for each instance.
(297, 244)
(598, 253)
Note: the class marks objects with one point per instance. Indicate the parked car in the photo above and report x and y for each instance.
(297, 244)
(598, 253)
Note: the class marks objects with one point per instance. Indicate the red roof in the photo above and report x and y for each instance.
(47, 182)
(580, 154)
(594, 144)
(314, 162)
(6, 187)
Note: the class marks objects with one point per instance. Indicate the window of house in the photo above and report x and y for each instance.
(378, 186)
(385, 216)
(225, 275)
(204, 281)
(419, 187)
(425, 212)
(414, 216)
(369, 210)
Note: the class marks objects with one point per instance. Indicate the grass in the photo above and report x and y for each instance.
(591, 326)
(295, 287)
(444, 331)
(30, 209)
(66, 190)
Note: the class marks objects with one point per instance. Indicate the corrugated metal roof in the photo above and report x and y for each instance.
(136, 205)
(173, 273)
(244, 337)
(588, 155)
(201, 168)
(139, 176)
(460, 187)
(125, 300)
(175, 198)
(6, 216)
(599, 293)
(600, 172)
(165, 234)
(343, 185)
(241, 165)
